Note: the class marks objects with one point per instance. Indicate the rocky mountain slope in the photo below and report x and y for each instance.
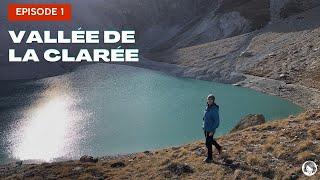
(281, 59)
(160, 26)
(165, 21)
(272, 46)
(273, 150)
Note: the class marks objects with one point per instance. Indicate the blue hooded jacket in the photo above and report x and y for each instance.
(211, 119)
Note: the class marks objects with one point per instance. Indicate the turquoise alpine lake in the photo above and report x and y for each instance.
(107, 109)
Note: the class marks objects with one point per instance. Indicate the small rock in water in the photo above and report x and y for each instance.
(86, 158)
(117, 164)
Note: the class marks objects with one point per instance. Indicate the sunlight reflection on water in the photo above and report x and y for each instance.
(51, 128)
(109, 109)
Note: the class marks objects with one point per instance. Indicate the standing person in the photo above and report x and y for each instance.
(211, 122)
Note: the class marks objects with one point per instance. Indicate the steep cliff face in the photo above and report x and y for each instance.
(154, 21)
(281, 58)
(280, 9)
(163, 25)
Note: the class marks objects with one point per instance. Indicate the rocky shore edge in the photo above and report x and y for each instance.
(305, 97)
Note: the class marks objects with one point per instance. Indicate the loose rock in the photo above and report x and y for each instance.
(86, 158)
(246, 54)
(248, 121)
(77, 168)
(199, 151)
(118, 165)
(179, 169)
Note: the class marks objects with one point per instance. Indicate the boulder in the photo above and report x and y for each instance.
(179, 169)
(246, 54)
(200, 152)
(147, 152)
(248, 121)
(86, 158)
(78, 168)
(117, 165)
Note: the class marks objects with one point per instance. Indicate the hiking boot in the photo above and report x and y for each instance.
(207, 160)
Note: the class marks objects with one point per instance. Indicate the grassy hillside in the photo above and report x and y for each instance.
(275, 149)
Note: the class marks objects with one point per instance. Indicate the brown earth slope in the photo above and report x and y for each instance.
(275, 149)
(281, 59)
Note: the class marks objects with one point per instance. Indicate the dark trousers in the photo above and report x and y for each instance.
(209, 142)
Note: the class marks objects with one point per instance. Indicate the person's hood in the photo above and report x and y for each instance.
(215, 106)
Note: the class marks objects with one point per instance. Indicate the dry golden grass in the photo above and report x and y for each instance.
(305, 156)
(273, 150)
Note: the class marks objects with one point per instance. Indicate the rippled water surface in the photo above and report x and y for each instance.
(110, 109)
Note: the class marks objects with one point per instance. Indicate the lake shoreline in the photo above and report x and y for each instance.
(169, 69)
(174, 162)
(305, 97)
(158, 161)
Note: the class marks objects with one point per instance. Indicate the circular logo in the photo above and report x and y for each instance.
(309, 168)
